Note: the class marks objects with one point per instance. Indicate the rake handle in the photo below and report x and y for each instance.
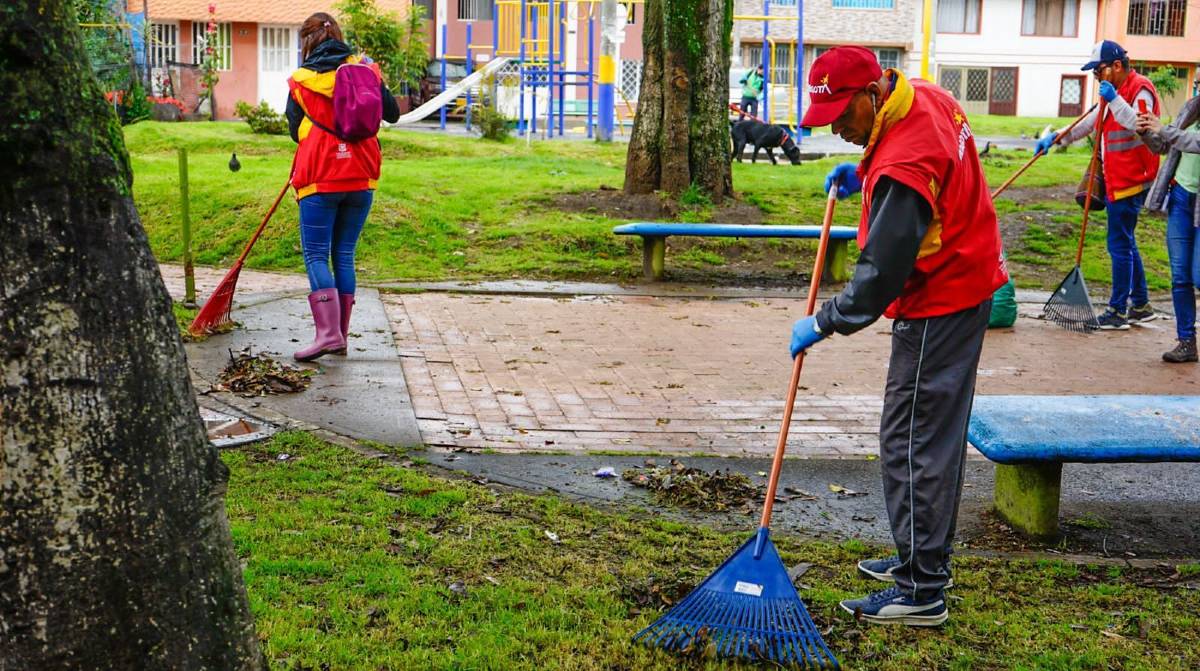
(781, 445)
(1091, 182)
(263, 226)
(1000, 189)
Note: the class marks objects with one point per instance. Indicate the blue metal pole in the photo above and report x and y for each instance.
(533, 22)
(443, 89)
(591, 85)
(550, 69)
(521, 129)
(766, 66)
(799, 70)
(469, 69)
(495, 29)
(562, 47)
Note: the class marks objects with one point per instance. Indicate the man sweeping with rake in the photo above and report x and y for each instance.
(930, 260)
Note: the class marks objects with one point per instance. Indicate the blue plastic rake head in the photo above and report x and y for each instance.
(747, 608)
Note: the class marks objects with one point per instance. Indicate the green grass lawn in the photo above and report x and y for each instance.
(352, 563)
(461, 208)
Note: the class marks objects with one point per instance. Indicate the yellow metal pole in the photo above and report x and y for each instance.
(927, 38)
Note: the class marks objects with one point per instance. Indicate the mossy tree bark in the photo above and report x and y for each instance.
(681, 131)
(115, 550)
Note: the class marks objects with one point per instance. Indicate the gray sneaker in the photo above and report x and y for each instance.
(1141, 315)
(1112, 320)
(881, 569)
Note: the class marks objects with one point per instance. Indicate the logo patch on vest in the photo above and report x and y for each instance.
(963, 134)
(344, 152)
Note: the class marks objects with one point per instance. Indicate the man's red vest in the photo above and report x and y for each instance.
(1129, 165)
(325, 164)
(922, 140)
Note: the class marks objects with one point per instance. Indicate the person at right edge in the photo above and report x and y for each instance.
(1175, 191)
(1129, 169)
(931, 260)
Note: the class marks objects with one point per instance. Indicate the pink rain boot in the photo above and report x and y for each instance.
(347, 303)
(327, 317)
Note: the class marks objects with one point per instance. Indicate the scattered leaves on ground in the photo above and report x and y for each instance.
(679, 485)
(252, 375)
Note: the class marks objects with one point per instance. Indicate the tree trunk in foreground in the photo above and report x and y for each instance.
(115, 550)
(681, 131)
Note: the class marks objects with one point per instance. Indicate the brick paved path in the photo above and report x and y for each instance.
(700, 376)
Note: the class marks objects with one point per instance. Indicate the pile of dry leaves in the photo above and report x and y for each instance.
(678, 485)
(252, 375)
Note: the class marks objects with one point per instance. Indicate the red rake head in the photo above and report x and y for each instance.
(215, 313)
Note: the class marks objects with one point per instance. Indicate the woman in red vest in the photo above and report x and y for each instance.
(931, 261)
(1129, 170)
(334, 180)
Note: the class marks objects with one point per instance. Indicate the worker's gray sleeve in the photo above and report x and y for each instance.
(1173, 137)
(1081, 129)
(1123, 112)
(896, 225)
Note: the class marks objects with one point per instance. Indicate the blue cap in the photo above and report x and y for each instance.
(1105, 52)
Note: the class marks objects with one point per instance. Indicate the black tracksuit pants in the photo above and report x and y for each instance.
(923, 439)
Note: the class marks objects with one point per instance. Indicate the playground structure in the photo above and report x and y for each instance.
(532, 36)
(792, 65)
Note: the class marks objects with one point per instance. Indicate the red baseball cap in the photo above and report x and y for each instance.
(833, 80)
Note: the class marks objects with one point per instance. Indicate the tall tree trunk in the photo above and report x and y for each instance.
(681, 132)
(115, 550)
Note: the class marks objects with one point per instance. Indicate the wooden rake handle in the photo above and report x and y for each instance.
(1091, 182)
(1000, 189)
(781, 445)
(263, 225)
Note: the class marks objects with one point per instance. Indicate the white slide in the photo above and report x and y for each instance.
(452, 93)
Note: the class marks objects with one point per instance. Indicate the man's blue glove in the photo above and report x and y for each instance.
(1108, 91)
(1044, 144)
(846, 175)
(805, 334)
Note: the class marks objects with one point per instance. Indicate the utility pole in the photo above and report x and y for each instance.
(609, 43)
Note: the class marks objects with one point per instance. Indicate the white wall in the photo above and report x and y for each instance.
(1042, 61)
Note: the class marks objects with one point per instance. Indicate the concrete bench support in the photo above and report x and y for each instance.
(1027, 495)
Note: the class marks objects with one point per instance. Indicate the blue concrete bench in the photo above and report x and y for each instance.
(654, 242)
(1030, 437)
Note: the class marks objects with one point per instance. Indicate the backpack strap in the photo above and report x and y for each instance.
(320, 125)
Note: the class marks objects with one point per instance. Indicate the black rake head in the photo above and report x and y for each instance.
(1070, 306)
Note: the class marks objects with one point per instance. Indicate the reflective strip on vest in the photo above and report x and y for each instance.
(1127, 145)
(1115, 135)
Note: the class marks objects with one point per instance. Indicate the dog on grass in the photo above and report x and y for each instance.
(762, 136)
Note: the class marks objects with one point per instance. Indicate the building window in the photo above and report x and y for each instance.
(164, 44)
(783, 69)
(1050, 18)
(888, 58)
(222, 44)
(1157, 17)
(864, 4)
(958, 16)
(787, 3)
(475, 10)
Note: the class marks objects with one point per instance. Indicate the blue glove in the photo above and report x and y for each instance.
(1108, 91)
(1044, 144)
(846, 175)
(804, 335)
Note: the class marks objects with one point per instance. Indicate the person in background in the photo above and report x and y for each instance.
(1129, 169)
(752, 86)
(334, 179)
(1175, 191)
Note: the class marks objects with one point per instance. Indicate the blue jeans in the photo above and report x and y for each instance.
(1128, 275)
(329, 227)
(1183, 247)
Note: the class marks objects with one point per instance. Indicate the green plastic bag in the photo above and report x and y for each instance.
(1004, 307)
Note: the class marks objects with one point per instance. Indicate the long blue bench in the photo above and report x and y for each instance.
(1031, 437)
(654, 242)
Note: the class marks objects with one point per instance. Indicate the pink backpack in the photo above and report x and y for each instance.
(357, 103)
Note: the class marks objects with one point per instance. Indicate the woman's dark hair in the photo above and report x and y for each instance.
(315, 30)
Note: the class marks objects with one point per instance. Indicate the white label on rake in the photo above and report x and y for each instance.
(748, 588)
